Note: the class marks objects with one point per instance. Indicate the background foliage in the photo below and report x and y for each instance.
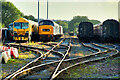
(9, 13)
(72, 25)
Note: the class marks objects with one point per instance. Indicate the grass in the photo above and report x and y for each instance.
(23, 56)
(1, 44)
(30, 52)
(19, 51)
(81, 71)
(4, 74)
(113, 61)
(11, 61)
(43, 52)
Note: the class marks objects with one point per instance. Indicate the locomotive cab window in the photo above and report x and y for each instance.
(17, 25)
(46, 22)
(24, 25)
(20, 25)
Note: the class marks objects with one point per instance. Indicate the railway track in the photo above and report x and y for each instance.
(61, 66)
(36, 61)
(70, 63)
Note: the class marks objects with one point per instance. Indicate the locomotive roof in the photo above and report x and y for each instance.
(51, 21)
(25, 20)
(21, 20)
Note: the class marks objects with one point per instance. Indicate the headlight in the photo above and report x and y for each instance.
(47, 30)
(15, 33)
(26, 34)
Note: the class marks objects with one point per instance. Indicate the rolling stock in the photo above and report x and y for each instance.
(108, 31)
(10, 31)
(97, 32)
(85, 31)
(49, 30)
(4, 34)
(24, 30)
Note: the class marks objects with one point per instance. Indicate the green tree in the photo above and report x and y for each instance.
(30, 17)
(76, 27)
(76, 19)
(9, 13)
(2, 25)
(119, 20)
(63, 24)
(72, 25)
(94, 21)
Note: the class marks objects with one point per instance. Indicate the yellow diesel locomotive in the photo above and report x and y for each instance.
(24, 30)
(49, 30)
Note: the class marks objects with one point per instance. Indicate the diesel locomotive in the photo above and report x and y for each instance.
(49, 30)
(24, 30)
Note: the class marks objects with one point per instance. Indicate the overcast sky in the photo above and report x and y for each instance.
(66, 9)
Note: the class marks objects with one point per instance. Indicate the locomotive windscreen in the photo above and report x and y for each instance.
(20, 25)
(46, 22)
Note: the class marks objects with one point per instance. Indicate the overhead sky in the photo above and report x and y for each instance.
(66, 9)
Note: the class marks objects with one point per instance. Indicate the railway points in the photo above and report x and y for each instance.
(62, 61)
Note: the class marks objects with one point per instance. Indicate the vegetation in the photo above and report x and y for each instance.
(11, 61)
(30, 17)
(81, 71)
(72, 25)
(9, 13)
(2, 25)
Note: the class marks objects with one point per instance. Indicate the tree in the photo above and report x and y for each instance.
(76, 19)
(76, 27)
(72, 25)
(30, 17)
(9, 13)
(94, 21)
(2, 25)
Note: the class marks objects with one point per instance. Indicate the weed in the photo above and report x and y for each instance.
(23, 56)
(30, 52)
(82, 70)
(11, 61)
(4, 74)
(1, 44)
(43, 52)
(116, 77)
